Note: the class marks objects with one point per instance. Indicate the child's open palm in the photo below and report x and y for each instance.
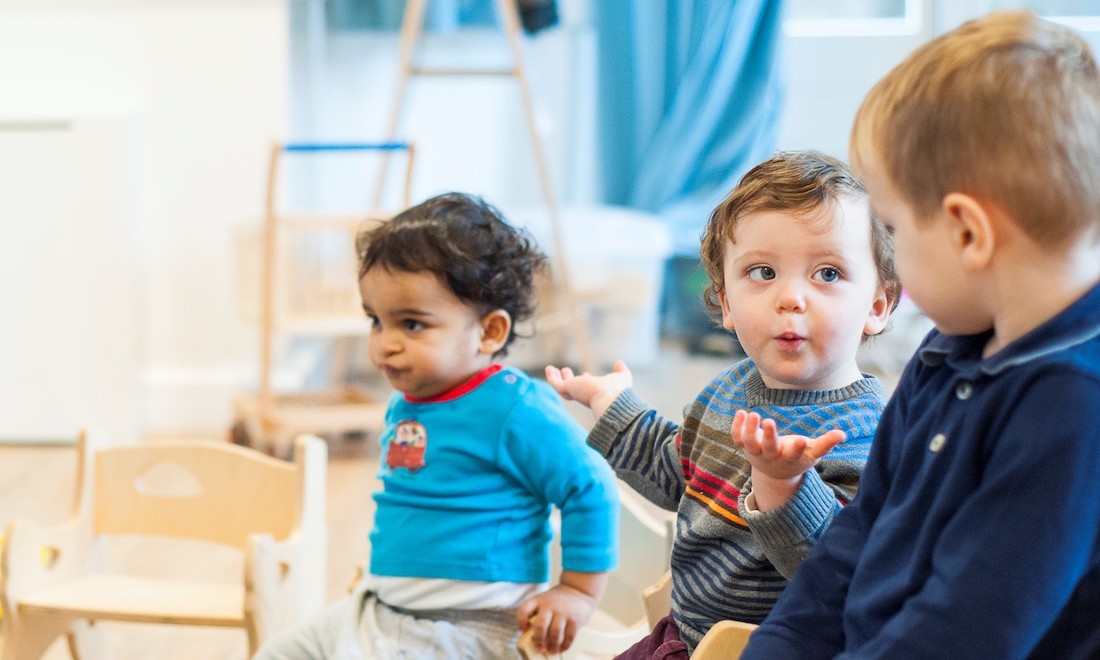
(595, 392)
(779, 456)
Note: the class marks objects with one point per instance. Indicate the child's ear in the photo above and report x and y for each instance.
(879, 316)
(495, 328)
(727, 315)
(972, 229)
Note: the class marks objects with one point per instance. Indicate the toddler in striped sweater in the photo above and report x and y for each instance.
(772, 448)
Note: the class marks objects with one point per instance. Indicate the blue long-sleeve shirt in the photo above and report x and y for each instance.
(469, 479)
(976, 529)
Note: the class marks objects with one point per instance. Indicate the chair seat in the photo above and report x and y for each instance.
(604, 636)
(104, 596)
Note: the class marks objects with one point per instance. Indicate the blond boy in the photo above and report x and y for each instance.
(976, 531)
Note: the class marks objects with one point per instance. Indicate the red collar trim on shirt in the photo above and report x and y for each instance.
(459, 390)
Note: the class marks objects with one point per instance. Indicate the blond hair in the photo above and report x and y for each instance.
(802, 183)
(1005, 108)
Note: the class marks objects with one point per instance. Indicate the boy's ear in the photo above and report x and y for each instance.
(727, 315)
(495, 328)
(972, 229)
(879, 316)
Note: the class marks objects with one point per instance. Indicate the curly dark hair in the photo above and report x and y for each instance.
(468, 245)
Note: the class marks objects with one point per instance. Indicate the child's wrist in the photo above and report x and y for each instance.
(588, 585)
(603, 400)
(574, 591)
(772, 492)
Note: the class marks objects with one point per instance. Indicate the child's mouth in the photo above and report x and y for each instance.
(789, 341)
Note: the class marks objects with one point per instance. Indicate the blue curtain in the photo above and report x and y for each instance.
(689, 96)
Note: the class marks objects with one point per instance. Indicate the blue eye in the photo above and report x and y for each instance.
(761, 273)
(827, 274)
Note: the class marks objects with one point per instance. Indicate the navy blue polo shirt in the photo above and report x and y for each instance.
(976, 529)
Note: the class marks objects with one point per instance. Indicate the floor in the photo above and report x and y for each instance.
(37, 482)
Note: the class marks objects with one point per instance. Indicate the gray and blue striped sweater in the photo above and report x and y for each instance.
(729, 562)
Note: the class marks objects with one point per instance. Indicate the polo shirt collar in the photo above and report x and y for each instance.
(1075, 325)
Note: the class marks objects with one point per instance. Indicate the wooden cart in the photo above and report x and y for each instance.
(308, 287)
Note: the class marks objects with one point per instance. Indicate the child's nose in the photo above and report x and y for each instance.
(791, 297)
(389, 342)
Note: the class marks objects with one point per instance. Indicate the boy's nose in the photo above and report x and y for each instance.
(791, 298)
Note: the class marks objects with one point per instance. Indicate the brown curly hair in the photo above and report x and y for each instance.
(801, 183)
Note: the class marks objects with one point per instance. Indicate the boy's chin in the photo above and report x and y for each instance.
(778, 379)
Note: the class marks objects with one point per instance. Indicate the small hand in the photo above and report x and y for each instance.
(595, 392)
(555, 616)
(779, 456)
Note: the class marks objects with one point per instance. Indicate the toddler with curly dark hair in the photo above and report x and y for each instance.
(473, 457)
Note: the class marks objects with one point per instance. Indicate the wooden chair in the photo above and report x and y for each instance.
(638, 592)
(724, 641)
(273, 511)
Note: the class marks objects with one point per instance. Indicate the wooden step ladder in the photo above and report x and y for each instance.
(412, 28)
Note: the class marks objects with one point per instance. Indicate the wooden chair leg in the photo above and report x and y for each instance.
(86, 641)
(29, 637)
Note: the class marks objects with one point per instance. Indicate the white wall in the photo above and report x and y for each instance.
(204, 83)
(471, 132)
(827, 77)
(829, 74)
(70, 277)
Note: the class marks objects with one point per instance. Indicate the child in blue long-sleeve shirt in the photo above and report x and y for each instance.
(976, 530)
(474, 455)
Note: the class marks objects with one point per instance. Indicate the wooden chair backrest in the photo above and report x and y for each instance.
(196, 489)
(724, 641)
(638, 590)
(645, 543)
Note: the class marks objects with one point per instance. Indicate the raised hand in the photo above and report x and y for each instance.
(595, 392)
(778, 461)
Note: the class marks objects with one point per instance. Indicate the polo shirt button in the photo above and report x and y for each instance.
(963, 390)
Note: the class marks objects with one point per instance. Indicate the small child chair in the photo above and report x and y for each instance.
(273, 511)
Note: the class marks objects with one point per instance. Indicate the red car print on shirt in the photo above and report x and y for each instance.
(410, 440)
